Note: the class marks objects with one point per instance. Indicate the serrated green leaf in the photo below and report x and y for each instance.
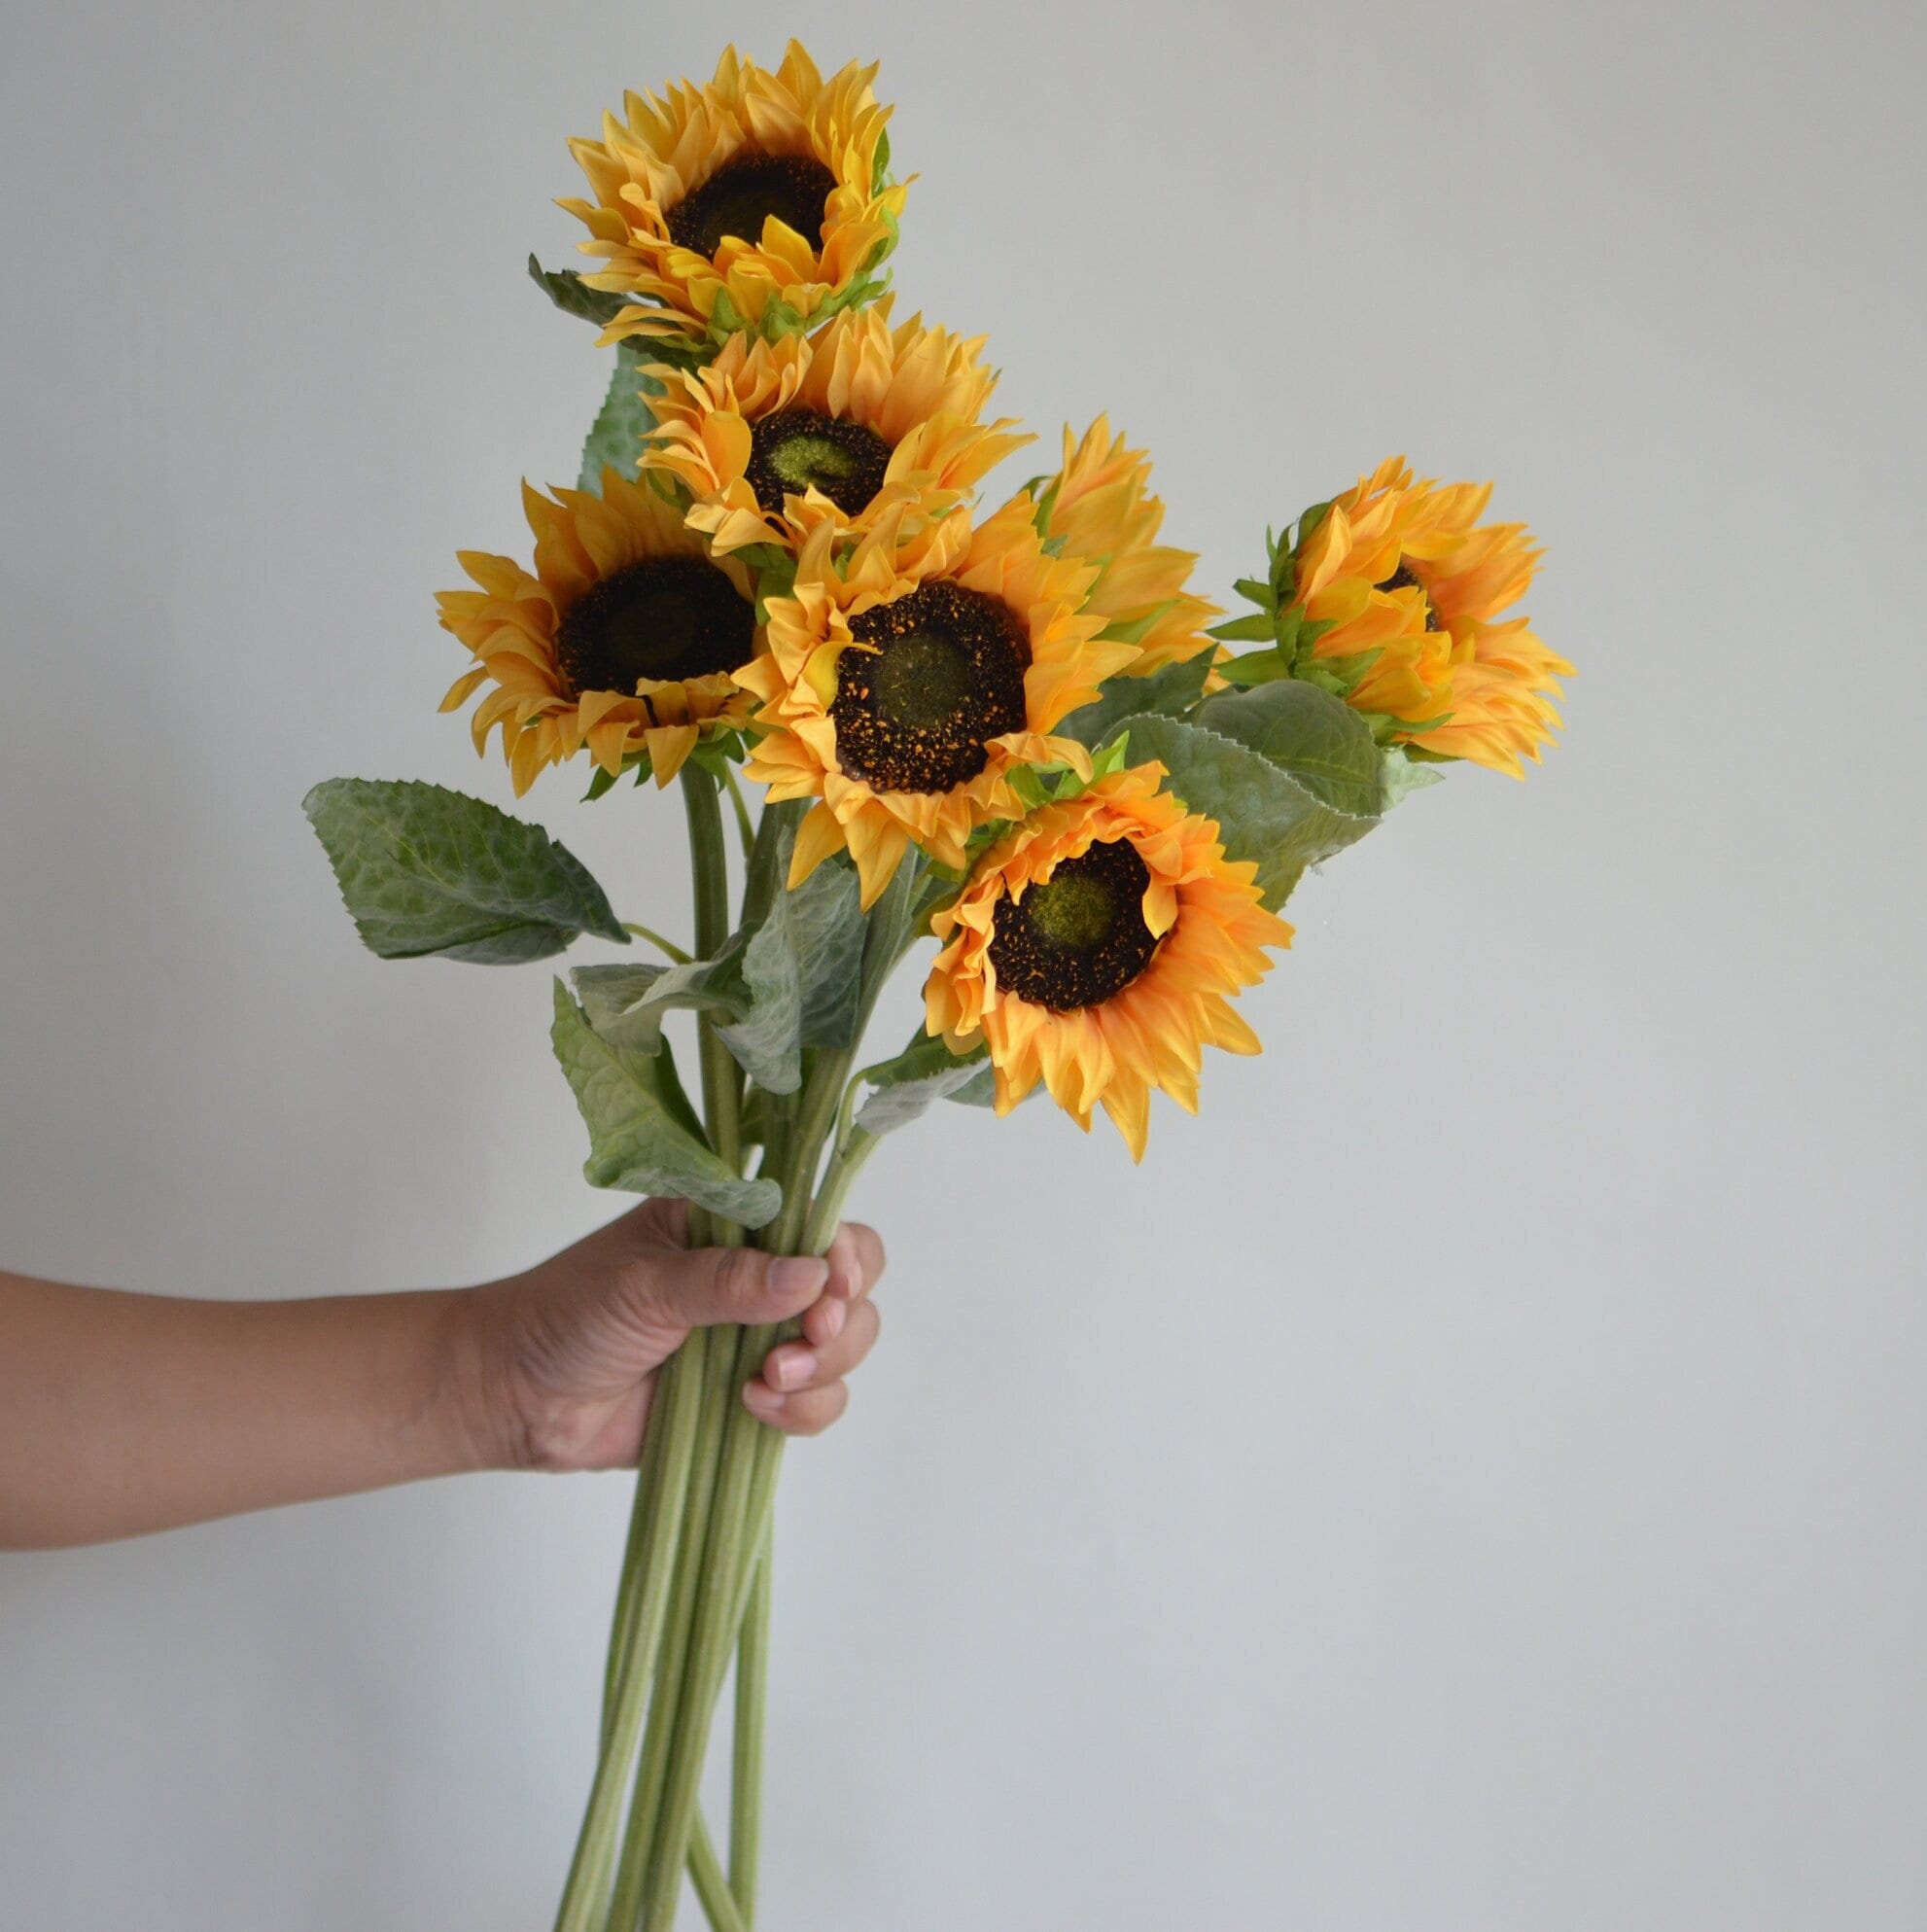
(1315, 736)
(904, 1089)
(1263, 812)
(824, 921)
(1170, 691)
(426, 871)
(615, 438)
(644, 1138)
(566, 289)
(766, 1035)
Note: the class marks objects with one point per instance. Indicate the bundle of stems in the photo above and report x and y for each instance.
(694, 1592)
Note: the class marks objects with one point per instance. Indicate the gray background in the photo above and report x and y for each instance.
(1468, 1479)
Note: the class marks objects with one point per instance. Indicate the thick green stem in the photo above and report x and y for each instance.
(583, 1895)
(722, 1078)
(746, 1781)
(719, 1397)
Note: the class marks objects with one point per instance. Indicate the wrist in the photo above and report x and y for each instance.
(470, 1383)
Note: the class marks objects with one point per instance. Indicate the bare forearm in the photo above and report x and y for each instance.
(122, 1414)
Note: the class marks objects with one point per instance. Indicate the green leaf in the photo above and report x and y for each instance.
(1170, 691)
(616, 439)
(906, 1087)
(644, 1138)
(824, 933)
(1263, 812)
(428, 871)
(752, 987)
(566, 289)
(1402, 775)
(1317, 738)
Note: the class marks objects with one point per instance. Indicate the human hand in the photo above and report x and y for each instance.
(565, 1357)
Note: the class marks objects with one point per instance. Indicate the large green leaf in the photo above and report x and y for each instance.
(1168, 692)
(615, 438)
(1315, 736)
(428, 871)
(644, 1138)
(752, 987)
(906, 1087)
(1263, 811)
(822, 922)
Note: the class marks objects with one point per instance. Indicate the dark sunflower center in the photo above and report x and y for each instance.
(1079, 938)
(742, 193)
(1402, 580)
(796, 449)
(662, 618)
(945, 675)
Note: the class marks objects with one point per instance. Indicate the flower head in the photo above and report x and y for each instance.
(623, 638)
(903, 704)
(1099, 508)
(773, 439)
(757, 200)
(1411, 588)
(1095, 947)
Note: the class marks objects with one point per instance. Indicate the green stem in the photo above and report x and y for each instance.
(745, 830)
(588, 1885)
(746, 1783)
(711, 1886)
(719, 1397)
(722, 1078)
(667, 947)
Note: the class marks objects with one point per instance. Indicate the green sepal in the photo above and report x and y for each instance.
(1254, 627)
(644, 1134)
(427, 871)
(905, 1087)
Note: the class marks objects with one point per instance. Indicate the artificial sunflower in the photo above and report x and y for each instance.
(903, 705)
(1412, 585)
(770, 440)
(757, 200)
(1099, 507)
(1095, 947)
(623, 639)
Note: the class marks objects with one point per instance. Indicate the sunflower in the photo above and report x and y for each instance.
(757, 200)
(1099, 507)
(1412, 586)
(623, 638)
(903, 705)
(772, 439)
(1095, 947)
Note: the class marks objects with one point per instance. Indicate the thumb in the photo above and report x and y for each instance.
(696, 1287)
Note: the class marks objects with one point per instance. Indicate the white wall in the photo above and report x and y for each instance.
(1466, 1482)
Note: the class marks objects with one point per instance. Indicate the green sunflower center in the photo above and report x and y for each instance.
(945, 675)
(1402, 579)
(1079, 938)
(663, 618)
(740, 194)
(796, 449)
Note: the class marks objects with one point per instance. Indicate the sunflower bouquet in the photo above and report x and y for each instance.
(1017, 732)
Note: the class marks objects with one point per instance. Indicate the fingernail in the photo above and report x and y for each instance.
(790, 1368)
(833, 1318)
(798, 1274)
(761, 1397)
